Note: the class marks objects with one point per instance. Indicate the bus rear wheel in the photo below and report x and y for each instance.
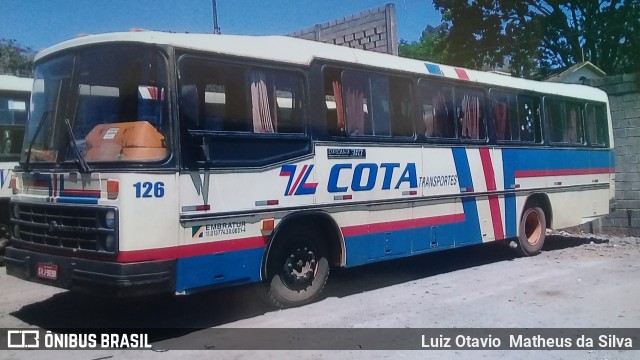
(299, 270)
(532, 231)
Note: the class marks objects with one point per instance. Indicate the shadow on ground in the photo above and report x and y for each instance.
(172, 316)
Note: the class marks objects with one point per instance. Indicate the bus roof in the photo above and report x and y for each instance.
(302, 52)
(15, 83)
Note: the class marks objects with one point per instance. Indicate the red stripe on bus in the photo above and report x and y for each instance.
(494, 202)
(462, 74)
(562, 172)
(184, 251)
(496, 216)
(40, 184)
(90, 193)
(295, 186)
(216, 247)
(401, 224)
(487, 168)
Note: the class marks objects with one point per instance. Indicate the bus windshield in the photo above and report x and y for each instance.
(110, 102)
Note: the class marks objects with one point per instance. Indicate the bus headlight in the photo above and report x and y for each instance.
(110, 219)
(16, 230)
(110, 243)
(16, 211)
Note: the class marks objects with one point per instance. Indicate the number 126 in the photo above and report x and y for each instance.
(148, 189)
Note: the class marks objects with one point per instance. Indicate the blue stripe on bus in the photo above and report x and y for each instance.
(76, 200)
(369, 248)
(223, 269)
(510, 216)
(472, 222)
(556, 159)
(545, 159)
(433, 69)
(612, 159)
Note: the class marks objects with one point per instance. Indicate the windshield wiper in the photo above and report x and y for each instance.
(82, 162)
(44, 116)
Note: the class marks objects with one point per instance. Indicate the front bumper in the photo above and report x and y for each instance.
(94, 276)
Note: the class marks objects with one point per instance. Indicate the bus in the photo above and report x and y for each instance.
(14, 106)
(173, 163)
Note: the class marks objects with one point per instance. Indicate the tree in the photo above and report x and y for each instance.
(430, 47)
(541, 37)
(14, 59)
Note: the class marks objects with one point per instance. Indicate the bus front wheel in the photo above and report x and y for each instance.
(299, 270)
(532, 231)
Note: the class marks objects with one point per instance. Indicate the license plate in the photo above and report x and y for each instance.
(48, 271)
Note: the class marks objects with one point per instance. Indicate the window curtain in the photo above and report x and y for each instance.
(500, 119)
(427, 118)
(470, 117)
(337, 94)
(354, 99)
(572, 131)
(263, 115)
(440, 116)
(592, 125)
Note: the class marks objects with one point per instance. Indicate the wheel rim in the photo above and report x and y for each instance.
(300, 267)
(532, 227)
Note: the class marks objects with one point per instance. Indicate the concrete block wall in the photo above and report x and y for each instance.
(373, 29)
(624, 100)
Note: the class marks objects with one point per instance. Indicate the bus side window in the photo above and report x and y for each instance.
(554, 110)
(333, 102)
(529, 118)
(470, 114)
(380, 107)
(5, 142)
(236, 110)
(575, 123)
(214, 106)
(565, 120)
(437, 107)
(401, 107)
(362, 103)
(357, 102)
(504, 110)
(596, 124)
(276, 102)
(222, 94)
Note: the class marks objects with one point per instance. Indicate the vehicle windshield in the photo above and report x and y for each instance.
(13, 116)
(115, 100)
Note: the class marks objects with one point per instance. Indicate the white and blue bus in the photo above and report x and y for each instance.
(14, 109)
(157, 162)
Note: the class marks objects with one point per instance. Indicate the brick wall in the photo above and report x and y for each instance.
(624, 99)
(373, 29)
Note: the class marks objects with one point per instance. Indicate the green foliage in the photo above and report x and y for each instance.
(537, 38)
(430, 47)
(15, 59)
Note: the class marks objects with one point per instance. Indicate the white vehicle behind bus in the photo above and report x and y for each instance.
(14, 109)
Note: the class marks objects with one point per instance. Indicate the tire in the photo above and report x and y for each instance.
(298, 269)
(532, 231)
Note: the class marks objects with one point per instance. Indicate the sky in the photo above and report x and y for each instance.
(42, 23)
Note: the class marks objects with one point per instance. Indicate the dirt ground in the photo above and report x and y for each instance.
(576, 282)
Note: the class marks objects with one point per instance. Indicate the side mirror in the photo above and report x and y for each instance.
(190, 106)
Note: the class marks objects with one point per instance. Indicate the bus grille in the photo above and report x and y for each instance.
(78, 229)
